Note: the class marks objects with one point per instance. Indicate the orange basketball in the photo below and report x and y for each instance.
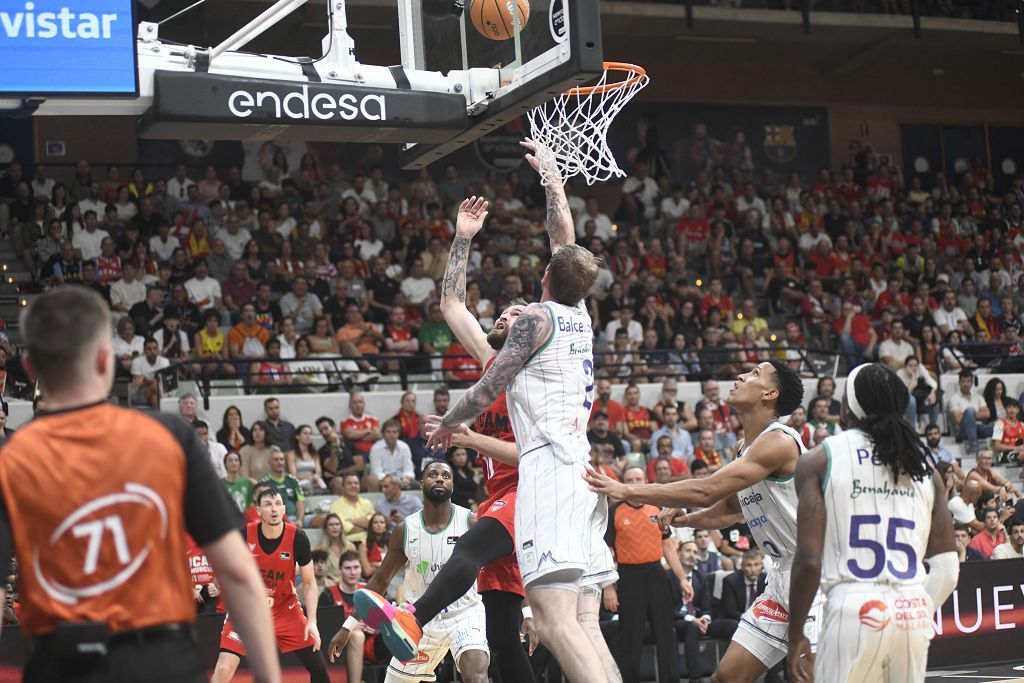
(494, 19)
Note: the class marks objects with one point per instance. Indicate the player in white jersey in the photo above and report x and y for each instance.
(547, 364)
(757, 487)
(423, 543)
(871, 509)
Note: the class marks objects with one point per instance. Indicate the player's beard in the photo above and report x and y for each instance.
(496, 338)
(437, 497)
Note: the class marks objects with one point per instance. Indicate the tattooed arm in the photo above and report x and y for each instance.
(558, 221)
(530, 331)
(472, 214)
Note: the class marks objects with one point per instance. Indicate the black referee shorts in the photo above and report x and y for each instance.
(168, 658)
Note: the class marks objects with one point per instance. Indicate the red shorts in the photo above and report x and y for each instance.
(289, 630)
(502, 574)
(370, 651)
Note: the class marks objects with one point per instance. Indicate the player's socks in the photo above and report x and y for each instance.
(398, 628)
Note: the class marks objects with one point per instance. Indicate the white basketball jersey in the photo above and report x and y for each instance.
(550, 399)
(429, 551)
(769, 508)
(877, 529)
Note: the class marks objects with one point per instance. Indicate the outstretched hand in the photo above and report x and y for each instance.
(460, 435)
(602, 483)
(472, 214)
(540, 157)
(338, 643)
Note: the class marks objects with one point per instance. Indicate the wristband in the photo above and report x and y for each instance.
(350, 623)
(527, 612)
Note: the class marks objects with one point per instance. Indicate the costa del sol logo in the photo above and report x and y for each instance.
(875, 615)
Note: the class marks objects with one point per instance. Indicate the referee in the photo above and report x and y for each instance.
(643, 592)
(104, 587)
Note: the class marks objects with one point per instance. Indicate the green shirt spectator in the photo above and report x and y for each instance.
(435, 335)
(287, 485)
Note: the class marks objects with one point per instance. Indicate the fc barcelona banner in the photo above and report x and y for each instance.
(983, 621)
(683, 139)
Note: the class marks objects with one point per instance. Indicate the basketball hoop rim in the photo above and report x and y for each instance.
(637, 73)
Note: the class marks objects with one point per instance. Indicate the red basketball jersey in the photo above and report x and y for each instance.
(277, 568)
(494, 422)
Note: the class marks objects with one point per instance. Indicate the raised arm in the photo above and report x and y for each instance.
(774, 452)
(464, 437)
(472, 213)
(530, 331)
(811, 521)
(558, 221)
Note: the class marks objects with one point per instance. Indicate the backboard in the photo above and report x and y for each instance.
(453, 85)
(558, 48)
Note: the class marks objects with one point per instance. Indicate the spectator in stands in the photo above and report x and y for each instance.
(353, 510)
(742, 588)
(232, 433)
(128, 291)
(857, 337)
(187, 408)
(400, 338)
(280, 432)
(819, 418)
(334, 543)
(992, 482)
(465, 490)
(634, 330)
(706, 452)
(607, 443)
(992, 536)
(923, 389)
(301, 305)
(636, 424)
(693, 617)
(303, 462)
(620, 362)
(145, 385)
(933, 439)
(949, 316)
(895, 350)
(127, 345)
(413, 424)
(396, 505)
(288, 486)
(962, 538)
(682, 444)
(798, 421)
(361, 431)
(435, 336)
(269, 374)
(708, 560)
(642, 594)
(337, 458)
(373, 550)
(1014, 545)
(968, 412)
(211, 344)
(826, 389)
(203, 291)
(1008, 433)
(173, 340)
(239, 487)
(390, 456)
(256, 455)
(417, 286)
(247, 340)
(660, 455)
(725, 423)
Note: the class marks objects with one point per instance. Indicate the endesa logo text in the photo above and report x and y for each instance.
(299, 104)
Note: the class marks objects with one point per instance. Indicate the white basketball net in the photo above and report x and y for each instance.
(573, 126)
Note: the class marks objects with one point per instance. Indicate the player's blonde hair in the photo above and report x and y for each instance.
(573, 271)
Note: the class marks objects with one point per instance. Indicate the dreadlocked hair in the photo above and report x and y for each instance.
(884, 397)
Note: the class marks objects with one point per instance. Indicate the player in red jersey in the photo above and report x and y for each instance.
(277, 548)
(488, 549)
(364, 644)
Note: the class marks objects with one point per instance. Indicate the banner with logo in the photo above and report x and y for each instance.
(983, 621)
(62, 47)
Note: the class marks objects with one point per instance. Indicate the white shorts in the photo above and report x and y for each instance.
(874, 633)
(764, 627)
(457, 632)
(601, 570)
(555, 521)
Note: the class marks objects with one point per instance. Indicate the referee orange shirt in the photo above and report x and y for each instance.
(98, 500)
(634, 534)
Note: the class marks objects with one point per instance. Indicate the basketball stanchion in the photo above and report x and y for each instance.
(574, 125)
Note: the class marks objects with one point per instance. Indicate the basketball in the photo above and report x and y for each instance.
(493, 18)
